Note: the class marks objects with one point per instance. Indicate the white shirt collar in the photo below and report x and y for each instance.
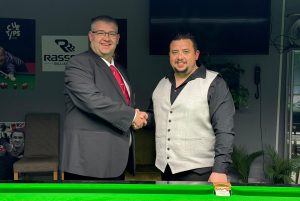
(108, 64)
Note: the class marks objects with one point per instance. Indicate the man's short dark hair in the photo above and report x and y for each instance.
(181, 36)
(104, 18)
(18, 130)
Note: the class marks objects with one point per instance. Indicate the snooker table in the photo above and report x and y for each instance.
(140, 192)
(21, 79)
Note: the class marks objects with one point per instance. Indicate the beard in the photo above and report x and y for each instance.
(183, 71)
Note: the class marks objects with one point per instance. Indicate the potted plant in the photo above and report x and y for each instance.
(242, 161)
(231, 73)
(279, 170)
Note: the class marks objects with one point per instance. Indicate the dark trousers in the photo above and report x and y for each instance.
(70, 176)
(190, 175)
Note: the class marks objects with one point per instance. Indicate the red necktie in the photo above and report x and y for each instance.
(121, 83)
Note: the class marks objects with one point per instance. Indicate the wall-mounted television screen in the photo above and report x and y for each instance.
(221, 27)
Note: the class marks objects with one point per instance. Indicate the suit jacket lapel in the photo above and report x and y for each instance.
(101, 64)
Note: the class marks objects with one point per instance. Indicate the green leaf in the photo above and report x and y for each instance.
(279, 170)
(242, 161)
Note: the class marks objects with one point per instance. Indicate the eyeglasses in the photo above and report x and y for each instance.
(102, 34)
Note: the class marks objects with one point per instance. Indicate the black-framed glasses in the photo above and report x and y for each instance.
(101, 34)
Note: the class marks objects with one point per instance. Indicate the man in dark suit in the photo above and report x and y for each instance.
(98, 141)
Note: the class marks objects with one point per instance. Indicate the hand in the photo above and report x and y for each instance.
(11, 76)
(216, 177)
(140, 119)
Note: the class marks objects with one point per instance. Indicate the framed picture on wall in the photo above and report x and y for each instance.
(17, 53)
(12, 137)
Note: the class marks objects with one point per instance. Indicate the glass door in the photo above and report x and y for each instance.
(293, 103)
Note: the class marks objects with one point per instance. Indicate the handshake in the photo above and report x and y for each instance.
(140, 119)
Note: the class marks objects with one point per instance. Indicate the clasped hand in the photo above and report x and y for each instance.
(140, 119)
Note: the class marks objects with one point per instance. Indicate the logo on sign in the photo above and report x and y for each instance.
(13, 31)
(65, 45)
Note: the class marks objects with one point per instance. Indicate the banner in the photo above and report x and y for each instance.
(57, 50)
(17, 53)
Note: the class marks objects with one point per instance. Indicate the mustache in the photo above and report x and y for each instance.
(180, 61)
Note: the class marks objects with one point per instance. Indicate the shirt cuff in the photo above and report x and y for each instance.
(220, 167)
(134, 117)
